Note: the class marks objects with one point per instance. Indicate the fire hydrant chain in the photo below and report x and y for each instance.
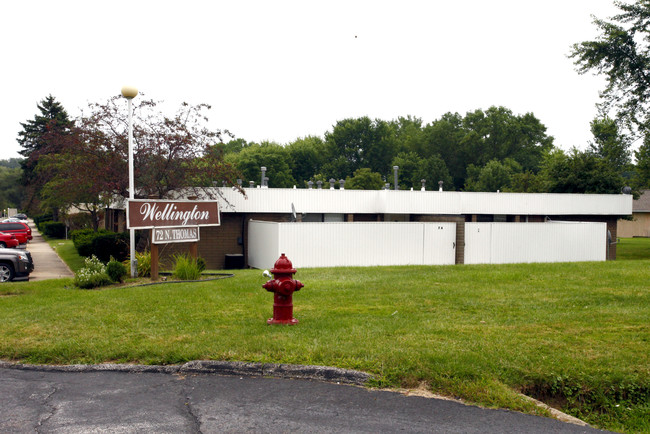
(283, 285)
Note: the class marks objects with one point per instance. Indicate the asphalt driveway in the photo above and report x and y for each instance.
(58, 400)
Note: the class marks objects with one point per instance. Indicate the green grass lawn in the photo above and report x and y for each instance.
(633, 248)
(575, 335)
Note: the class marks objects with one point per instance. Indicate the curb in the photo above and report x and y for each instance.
(303, 372)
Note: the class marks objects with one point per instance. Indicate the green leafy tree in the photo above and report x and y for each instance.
(494, 176)
(172, 154)
(413, 169)
(358, 143)
(270, 155)
(306, 157)
(579, 172)
(642, 169)
(622, 54)
(501, 135)
(482, 136)
(446, 137)
(364, 179)
(409, 134)
(11, 163)
(11, 189)
(610, 145)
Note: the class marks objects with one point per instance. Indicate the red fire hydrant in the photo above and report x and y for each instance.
(283, 285)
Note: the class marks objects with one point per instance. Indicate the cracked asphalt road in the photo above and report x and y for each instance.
(34, 401)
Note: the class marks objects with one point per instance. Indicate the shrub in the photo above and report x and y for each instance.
(83, 241)
(103, 244)
(186, 267)
(107, 244)
(42, 218)
(53, 229)
(116, 270)
(92, 275)
(79, 233)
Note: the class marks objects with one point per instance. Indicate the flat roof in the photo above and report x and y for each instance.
(284, 200)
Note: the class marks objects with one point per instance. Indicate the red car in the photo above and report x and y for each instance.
(8, 240)
(22, 232)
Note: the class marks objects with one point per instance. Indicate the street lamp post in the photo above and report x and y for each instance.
(129, 93)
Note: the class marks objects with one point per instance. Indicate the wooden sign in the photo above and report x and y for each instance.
(175, 235)
(149, 214)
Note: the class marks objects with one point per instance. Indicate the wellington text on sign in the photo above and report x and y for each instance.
(148, 214)
(175, 235)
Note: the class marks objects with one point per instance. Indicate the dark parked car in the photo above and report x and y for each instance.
(8, 240)
(22, 232)
(15, 264)
(20, 216)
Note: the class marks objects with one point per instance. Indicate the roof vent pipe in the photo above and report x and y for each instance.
(310, 184)
(395, 169)
(387, 186)
(342, 184)
(423, 181)
(263, 176)
(332, 181)
(251, 184)
(319, 184)
(440, 185)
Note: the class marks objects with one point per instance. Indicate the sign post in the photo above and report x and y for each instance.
(171, 221)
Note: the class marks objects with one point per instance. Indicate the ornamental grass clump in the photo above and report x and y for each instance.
(92, 275)
(186, 267)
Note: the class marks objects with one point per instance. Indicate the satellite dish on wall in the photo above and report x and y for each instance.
(293, 213)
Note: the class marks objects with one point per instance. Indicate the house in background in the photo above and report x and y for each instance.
(639, 226)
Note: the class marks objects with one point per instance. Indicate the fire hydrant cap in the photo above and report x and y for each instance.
(283, 265)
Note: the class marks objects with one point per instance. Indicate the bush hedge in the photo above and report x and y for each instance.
(42, 218)
(103, 244)
(53, 229)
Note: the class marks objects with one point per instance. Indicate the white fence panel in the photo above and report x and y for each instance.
(263, 249)
(502, 243)
(352, 244)
(478, 239)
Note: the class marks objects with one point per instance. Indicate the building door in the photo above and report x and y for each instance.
(439, 244)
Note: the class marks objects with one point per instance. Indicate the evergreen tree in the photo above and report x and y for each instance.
(38, 138)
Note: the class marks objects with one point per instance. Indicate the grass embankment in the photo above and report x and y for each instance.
(575, 335)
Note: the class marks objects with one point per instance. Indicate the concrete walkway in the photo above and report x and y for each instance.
(47, 264)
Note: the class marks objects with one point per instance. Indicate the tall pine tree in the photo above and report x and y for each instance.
(37, 138)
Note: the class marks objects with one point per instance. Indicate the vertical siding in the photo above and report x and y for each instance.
(639, 226)
(352, 244)
(263, 245)
(502, 243)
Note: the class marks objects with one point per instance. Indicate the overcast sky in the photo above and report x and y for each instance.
(279, 70)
